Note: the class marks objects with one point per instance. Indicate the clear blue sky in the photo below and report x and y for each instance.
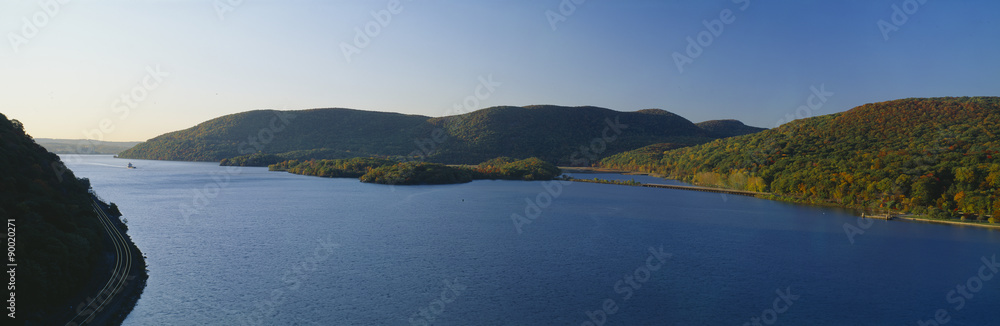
(616, 54)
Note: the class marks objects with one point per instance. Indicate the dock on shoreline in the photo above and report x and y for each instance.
(885, 216)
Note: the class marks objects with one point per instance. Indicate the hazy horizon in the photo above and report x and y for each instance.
(67, 65)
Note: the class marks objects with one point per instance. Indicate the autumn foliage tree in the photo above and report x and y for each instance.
(931, 155)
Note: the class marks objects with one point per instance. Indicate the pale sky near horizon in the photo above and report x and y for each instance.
(63, 79)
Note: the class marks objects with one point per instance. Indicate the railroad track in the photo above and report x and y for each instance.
(117, 281)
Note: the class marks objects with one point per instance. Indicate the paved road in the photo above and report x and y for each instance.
(117, 281)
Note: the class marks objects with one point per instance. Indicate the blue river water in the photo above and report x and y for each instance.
(245, 246)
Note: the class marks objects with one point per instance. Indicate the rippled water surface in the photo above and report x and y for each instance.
(233, 246)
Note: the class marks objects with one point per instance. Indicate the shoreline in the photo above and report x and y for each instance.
(585, 169)
(939, 221)
(122, 300)
(594, 170)
(126, 299)
(778, 198)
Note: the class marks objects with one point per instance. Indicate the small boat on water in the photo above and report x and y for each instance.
(130, 166)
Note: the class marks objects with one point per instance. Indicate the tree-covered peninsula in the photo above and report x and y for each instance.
(387, 171)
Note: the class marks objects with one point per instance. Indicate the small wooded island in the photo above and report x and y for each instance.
(393, 172)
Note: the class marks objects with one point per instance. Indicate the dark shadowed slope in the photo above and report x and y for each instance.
(61, 245)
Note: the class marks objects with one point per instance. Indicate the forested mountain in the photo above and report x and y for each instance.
(556, 133)
(940, 156)
(342, 132)
(563, 135)
(59, 240)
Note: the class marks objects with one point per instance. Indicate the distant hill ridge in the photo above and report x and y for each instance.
(84, 146)
(727, 128)
(562, 135)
